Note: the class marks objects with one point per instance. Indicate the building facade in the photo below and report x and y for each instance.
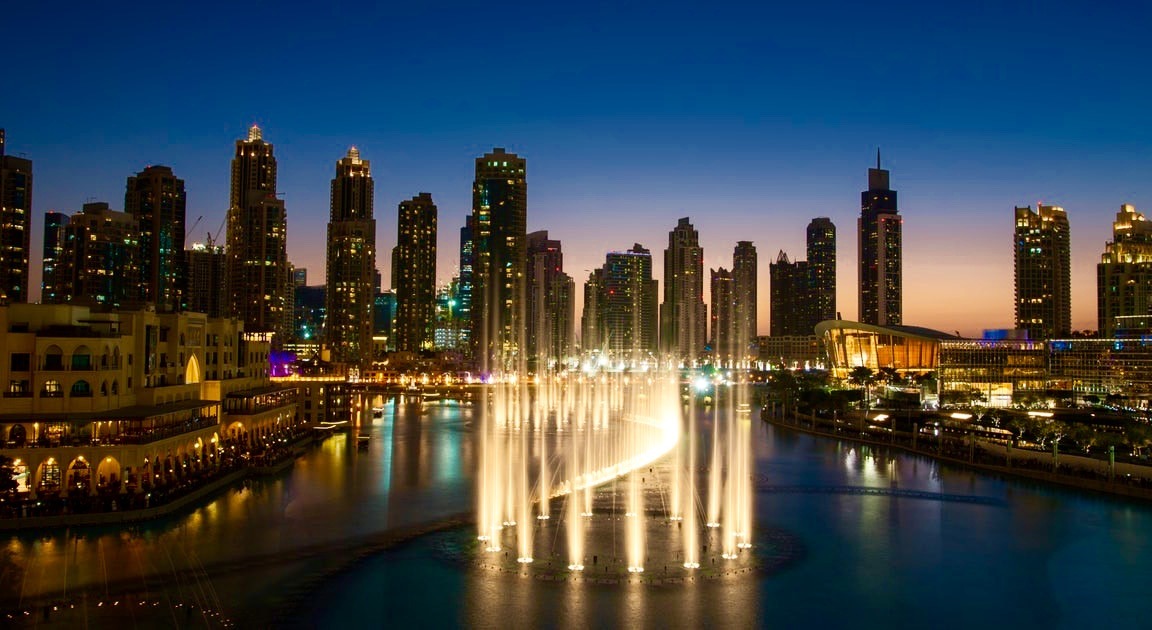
(683, 316)
(15, 225)
(155, 198)
(821, 241)
(500, 216)
(351, 261)
(788, 297)
(723, 317)
(1124, 277)
(880, 251)
(53, 255)
(551, 300)
(744, 297)
(1043, 272)
(100, 266)
(414, 274)
(622, 313)
(204, 275)
(259, 285)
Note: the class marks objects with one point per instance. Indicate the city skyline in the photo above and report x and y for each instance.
(764, 121)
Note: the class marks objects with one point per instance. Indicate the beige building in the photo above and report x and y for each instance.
(117, 401)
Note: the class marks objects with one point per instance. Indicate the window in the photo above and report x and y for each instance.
(51, 389)
(21, 362)
(81, 389)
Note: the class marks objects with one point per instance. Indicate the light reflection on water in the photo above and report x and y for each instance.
(1044, 557)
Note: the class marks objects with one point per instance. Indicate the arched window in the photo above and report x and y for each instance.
(115, 387)
(81, 389)
(104, 388)
(51, 389)
(82, 358)
(53, 358)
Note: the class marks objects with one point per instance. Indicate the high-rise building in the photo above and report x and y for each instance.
(683, 316)
(384, 314)
(822, 268)
(789, 297)
(351, 262)
(54, 224)
(204, 268)
(551, 300)
(744, 297)
(414, 274)
(1124, 277)
(723, 302)
(156, 198)
(880, 253)
(100, 265)
(500, 211)
(299, 276)
(15, 225)
(623, 313)
(1043, 272)
(591, 324)
(258, 275)
(463, 310)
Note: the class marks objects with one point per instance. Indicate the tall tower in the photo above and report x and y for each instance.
(822, 269)
(789, 295)
(628, 304)
(100, 265)
(500, 212)
(551, 298)
(155, 197)
(414, 274)
(204, 267)
(463, 311)
(744, 298)
(1124, 277)
(15, 225)
(683, 316)
(723, 314)
(351, 267)
(258, 276)
(54, 235)
(1043, 272)
(880, 251)
(592, 319)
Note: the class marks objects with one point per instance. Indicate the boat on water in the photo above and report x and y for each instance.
(377, 412)
(362, 441)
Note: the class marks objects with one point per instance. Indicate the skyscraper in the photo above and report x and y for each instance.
(551, 300)
(500, 211)
(1043, 272)
(822, 269)
(100, 264)
(258, 274)
(351, 262)
(15, 225)
(683, 316)
(724, 316)
(414, 274)
(591, 324)
(1124, 277)
(880, 251)
(744, 270)
(463, 310)
(789, 297)
(54, 224)
(156, 198)
(623, 312)
(204, 268)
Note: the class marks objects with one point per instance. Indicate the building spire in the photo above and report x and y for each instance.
(354, 155)
(254, 133)
(877, 158)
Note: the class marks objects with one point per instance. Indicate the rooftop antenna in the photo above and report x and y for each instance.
(877, 158)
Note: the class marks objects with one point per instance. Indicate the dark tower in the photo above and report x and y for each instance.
(880, 251)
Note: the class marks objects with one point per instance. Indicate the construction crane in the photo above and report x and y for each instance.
(188, 232)
(212, 240)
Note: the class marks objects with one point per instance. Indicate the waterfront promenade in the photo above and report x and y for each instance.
(1121, 479)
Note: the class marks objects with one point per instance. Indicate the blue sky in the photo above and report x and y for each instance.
(750, 119)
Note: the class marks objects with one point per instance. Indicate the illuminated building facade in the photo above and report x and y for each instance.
(551, 303)
(155, 197)
(100, 265)
(723, 316)
(500, 220)
(1124, 277)
(204, 269)
(15, 225)
(414, 274)
(788, 293)
(621, 316)
(351, 262)
(463, 310)
(53, 253)
(744, 297)
(791, 351)
(880, 251)
(821, 241)
(1043, 272)
(119, 402)
(683, 316)
(257, 271)
(909, 350)
(591, 326)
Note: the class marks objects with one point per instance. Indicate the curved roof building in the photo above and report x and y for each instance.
(908, 349)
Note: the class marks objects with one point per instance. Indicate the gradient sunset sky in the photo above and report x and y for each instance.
(750, 119)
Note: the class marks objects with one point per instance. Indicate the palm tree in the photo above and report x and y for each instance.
(862, 376)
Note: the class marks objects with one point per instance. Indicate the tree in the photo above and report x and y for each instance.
(1139, 436)
(7, 475)
(862, 377)
(1085, 435)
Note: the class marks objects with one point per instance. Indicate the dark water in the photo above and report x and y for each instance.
(1033, 556)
